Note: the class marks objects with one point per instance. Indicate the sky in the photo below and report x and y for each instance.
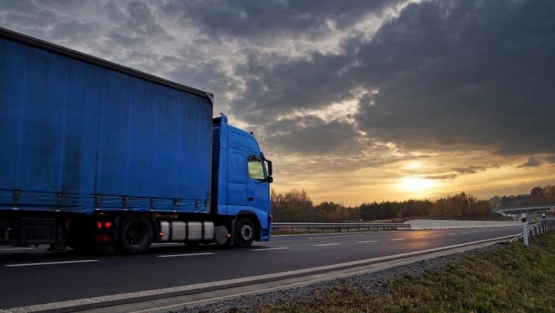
(354, 101)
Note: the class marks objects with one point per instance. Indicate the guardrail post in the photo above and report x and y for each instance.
(524, 228)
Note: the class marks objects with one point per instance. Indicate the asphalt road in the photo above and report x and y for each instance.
(32, 276)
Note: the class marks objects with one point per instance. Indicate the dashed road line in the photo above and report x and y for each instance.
(367, 241)
(335, 237)
(327, 244)
(183, 255)
(17, 249)
(396, 239)
(270, 249)
(50, 263)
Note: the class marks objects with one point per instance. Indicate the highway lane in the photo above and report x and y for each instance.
(36, 276)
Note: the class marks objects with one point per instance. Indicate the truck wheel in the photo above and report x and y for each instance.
(135, 234)
(244, 233)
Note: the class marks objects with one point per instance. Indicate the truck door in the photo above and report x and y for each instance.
(258, 189)
(237, 181)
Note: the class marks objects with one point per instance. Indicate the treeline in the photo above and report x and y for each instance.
(537, 196)
(296, 206)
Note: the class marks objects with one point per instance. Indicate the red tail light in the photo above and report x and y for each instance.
(107, 224)
(103, 238)
(99, 225)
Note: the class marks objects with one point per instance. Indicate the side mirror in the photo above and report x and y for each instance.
(270, 179)
(270, 168)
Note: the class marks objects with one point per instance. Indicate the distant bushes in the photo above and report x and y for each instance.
(296, 206)
(538, 196)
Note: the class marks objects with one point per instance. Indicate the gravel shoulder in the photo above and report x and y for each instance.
(374, 282)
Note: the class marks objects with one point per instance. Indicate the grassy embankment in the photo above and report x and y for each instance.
(507, 278)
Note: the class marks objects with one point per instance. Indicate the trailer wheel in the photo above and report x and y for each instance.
(135, 234)
(244, 233)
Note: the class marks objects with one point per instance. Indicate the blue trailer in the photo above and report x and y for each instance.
(94, 154)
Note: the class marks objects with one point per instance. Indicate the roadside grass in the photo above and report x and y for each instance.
(505, 278)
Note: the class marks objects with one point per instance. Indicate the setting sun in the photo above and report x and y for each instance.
(416, 184)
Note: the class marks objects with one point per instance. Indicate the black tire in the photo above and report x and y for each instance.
(135, 234)
(244, 233)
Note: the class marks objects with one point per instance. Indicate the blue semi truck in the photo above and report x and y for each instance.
(97, 155)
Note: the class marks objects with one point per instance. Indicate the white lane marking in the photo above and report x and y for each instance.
(223, 283)
(327, 244)
(395, 239)
(270, 249)
(51, 263)
(367, 241)
(464, 232)
(16, 249)
(312, 238)
(436, 236)
(182, 255)
(451, 234)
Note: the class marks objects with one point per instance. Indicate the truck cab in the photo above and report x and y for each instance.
(241, 178)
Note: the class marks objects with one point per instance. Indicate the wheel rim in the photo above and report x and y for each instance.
(136, 234)
(246, 232)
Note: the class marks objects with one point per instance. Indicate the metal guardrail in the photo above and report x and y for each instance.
(337, 227)
(539, 228)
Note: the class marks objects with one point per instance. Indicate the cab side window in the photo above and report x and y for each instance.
(256, 169)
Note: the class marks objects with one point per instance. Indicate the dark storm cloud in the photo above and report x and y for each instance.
(450, 74)
(456, 74)
(213, 78)
(289, 86)
(471, 169)
(72, 30)
(136, 27)
(268, 19)
(533, 162)
(440, 177)
(311, 135)
(23, 15)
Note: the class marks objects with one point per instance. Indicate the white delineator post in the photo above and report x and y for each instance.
(524, 228)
